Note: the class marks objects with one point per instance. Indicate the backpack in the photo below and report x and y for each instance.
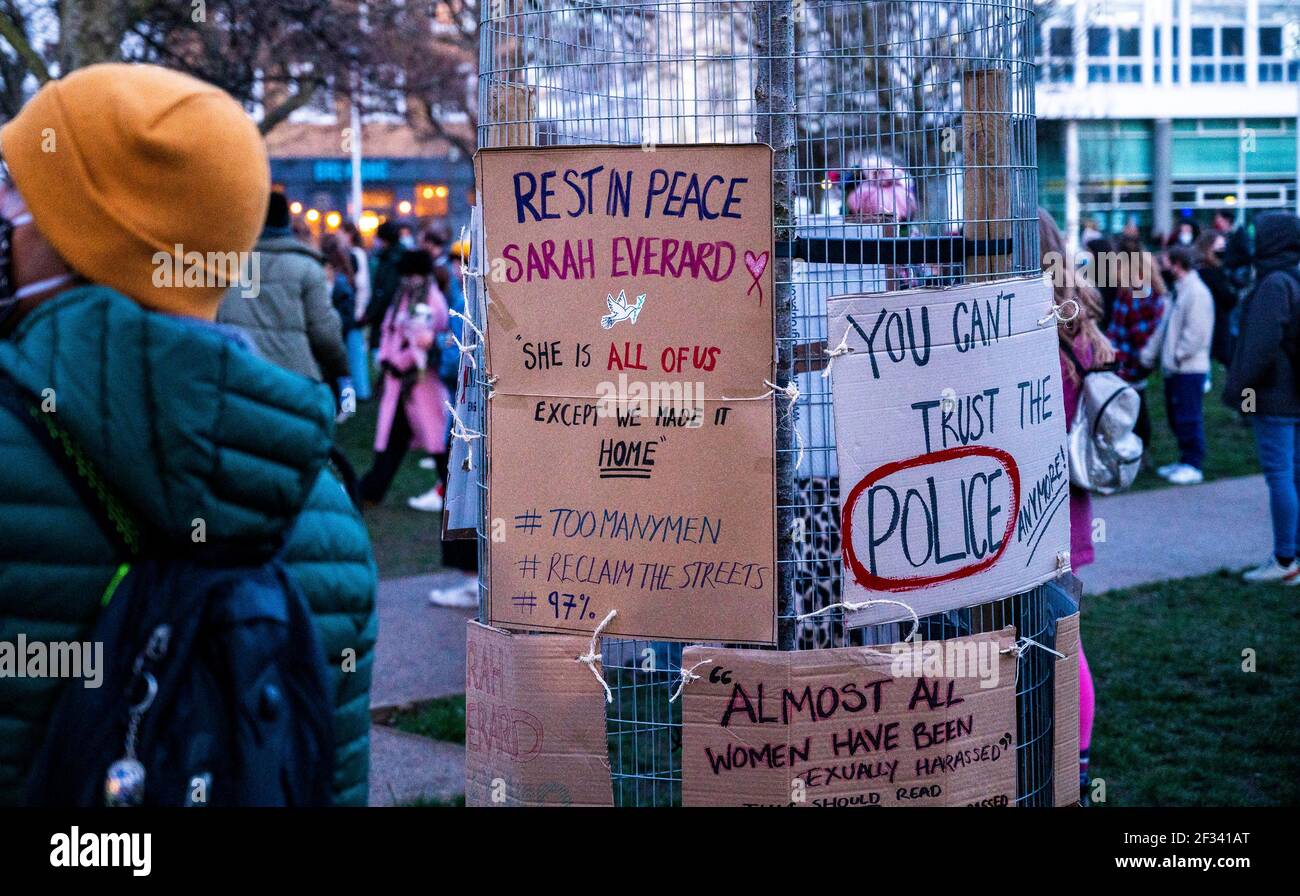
(1105, 454)
(214, 689)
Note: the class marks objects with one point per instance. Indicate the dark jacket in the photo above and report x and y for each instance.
(183, 424)
(384, 281)
(1267, 352)
(290, 320)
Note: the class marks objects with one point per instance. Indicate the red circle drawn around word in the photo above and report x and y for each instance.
(873, 582)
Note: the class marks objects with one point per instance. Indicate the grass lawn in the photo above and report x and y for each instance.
(406, 541)
(442, 719)
(1230, 445)
(1179, 723)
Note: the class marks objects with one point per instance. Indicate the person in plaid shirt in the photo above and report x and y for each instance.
(1139, 305)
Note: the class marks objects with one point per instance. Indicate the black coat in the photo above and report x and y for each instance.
(1267, 354)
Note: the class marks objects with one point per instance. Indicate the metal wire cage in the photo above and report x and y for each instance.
(904, 156)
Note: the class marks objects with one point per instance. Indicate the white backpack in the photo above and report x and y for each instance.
(1105, 453)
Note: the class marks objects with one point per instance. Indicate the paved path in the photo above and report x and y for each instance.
(420, 654)
(1180, 531)
(406, 767)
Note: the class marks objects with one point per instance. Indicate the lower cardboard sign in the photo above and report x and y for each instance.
(924, 723)
(534, 722)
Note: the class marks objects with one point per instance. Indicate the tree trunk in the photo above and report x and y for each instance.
(91, 31)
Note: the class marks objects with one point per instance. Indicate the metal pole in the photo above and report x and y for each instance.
(774, 95)
(354, 206)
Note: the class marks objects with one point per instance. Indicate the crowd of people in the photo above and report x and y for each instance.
(1230, 294)
(334, 311)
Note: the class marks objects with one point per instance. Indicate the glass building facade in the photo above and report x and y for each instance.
(1154, 111)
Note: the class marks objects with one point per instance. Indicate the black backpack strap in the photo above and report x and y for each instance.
(95, 494)
(347, 475)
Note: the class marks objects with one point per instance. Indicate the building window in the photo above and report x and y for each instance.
(1232, 54)
(379, 199)
(1059, 63)
(431, 200)
(1114, 55)
(1129, 48)
(1173, 50)
(1202, 50)
(1274, 66)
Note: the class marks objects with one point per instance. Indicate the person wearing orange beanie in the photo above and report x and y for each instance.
(146, 454)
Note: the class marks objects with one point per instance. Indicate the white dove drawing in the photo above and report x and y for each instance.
(619, 309)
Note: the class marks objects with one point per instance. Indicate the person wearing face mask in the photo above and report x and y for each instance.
(113, 260)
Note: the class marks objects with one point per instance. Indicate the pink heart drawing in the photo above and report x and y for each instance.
(756, 264)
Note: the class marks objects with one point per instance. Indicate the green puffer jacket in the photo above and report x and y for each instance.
(184, 425)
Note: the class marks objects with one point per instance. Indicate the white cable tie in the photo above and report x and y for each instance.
(1023, 644)
(1056, 312)
(463, 433)
(686, 676)
(853, 607)
(591, 657)
(833, 353)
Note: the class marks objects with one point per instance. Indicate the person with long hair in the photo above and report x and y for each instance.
(1135, 318)
(1080, 339)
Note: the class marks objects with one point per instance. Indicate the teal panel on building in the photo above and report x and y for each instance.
(1119, 150)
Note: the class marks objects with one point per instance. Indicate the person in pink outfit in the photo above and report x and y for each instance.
(1082, 334)
(412, 408)
(883, 192)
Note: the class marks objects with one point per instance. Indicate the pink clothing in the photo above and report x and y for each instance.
(404, 342)
(1081, 550)
(1087, 703)
(884, 191)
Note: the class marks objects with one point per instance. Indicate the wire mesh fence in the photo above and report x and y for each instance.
(904, 156)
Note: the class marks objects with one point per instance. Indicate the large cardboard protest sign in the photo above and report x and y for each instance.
(929, 724)
(630, 430)
(950, 435)
(534, 722)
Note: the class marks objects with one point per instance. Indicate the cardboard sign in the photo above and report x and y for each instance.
(950, 434)
(630, 434)
(926, 724)
(1065, 725)
(460, 516)
(534, 722)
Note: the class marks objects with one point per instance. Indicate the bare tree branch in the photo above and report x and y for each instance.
(296, 101)
(14, 35)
